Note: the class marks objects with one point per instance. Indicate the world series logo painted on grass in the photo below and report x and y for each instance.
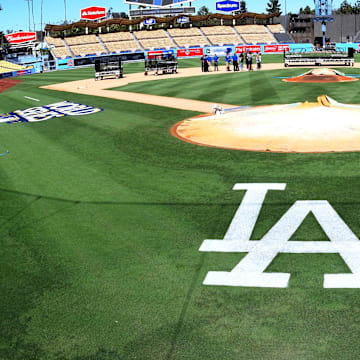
(47, 112)
(250, 272)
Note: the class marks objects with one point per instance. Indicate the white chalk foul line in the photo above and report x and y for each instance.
(30, 98)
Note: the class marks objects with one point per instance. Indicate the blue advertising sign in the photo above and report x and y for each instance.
(183, 20)
(227, 5)
(151, 21)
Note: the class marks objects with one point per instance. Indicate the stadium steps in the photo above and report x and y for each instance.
(68, 48)
(137, 41)
(283, 38)
(205, 37)
(238, 35)
(271, 34)
(171, 38)
(103, 44)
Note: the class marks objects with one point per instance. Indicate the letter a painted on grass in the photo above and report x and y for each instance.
(250, 270)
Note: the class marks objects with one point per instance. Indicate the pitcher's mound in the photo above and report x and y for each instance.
(324, 126)
(321, 76)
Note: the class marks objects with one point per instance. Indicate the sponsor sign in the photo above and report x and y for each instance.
(276, 48)
(190, 52)
(154, 54)
(245, 48)
(227, 5)
(20, 37)
(47, 112)
(183, 20)
(65, 63)
(89, 60)
(219, 50)
(149, 22)
(93, 13)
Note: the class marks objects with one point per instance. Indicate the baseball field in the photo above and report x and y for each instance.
(103, 215)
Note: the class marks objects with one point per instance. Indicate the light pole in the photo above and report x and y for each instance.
(28, 2)
(65, 11)
(286, 25)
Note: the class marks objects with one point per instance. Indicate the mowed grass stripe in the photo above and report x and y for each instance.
(116, 274)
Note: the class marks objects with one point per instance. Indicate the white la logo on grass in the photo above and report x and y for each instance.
(250, 270)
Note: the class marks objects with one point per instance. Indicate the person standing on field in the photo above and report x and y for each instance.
(216, 63)
(202, 63)
(228, 62)
(250, 60)
(258, 61)
(241, 58)
(235, 62)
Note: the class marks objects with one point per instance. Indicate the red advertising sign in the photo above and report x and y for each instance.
(245, 48)
(156, 53)
(190, 52)
(20, 37)
(276, 48)
(93, 13)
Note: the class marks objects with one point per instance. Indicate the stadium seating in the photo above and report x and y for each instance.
(6, 66)
(219, 35)
(251, 29)
(159, 39)
(276, 29)
(217, 30)
(120, 41)
(255, 34)
(82, 40)
(118, 36)
(119, 46)
(54, 41)
(187, 37)
(154, 39)
(61, 52)
(89, 49)
(85, 45)
(184, 32)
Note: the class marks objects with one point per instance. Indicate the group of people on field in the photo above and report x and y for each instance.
(207, 62)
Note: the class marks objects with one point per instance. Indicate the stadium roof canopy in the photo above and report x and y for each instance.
(159, 20)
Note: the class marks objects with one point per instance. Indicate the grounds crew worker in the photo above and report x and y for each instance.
(228, 62)
(216, 63)
(235, 62)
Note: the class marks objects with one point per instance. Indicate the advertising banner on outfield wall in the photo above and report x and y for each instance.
(139, 56)
(219, 50)
(155, 53)
(276, 48)
(190, 52)
(65, 64)
(245, 48)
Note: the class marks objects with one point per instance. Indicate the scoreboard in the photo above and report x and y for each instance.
(157, 3)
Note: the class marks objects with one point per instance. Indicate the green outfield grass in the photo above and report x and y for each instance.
(103, 215)
(249, 88)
